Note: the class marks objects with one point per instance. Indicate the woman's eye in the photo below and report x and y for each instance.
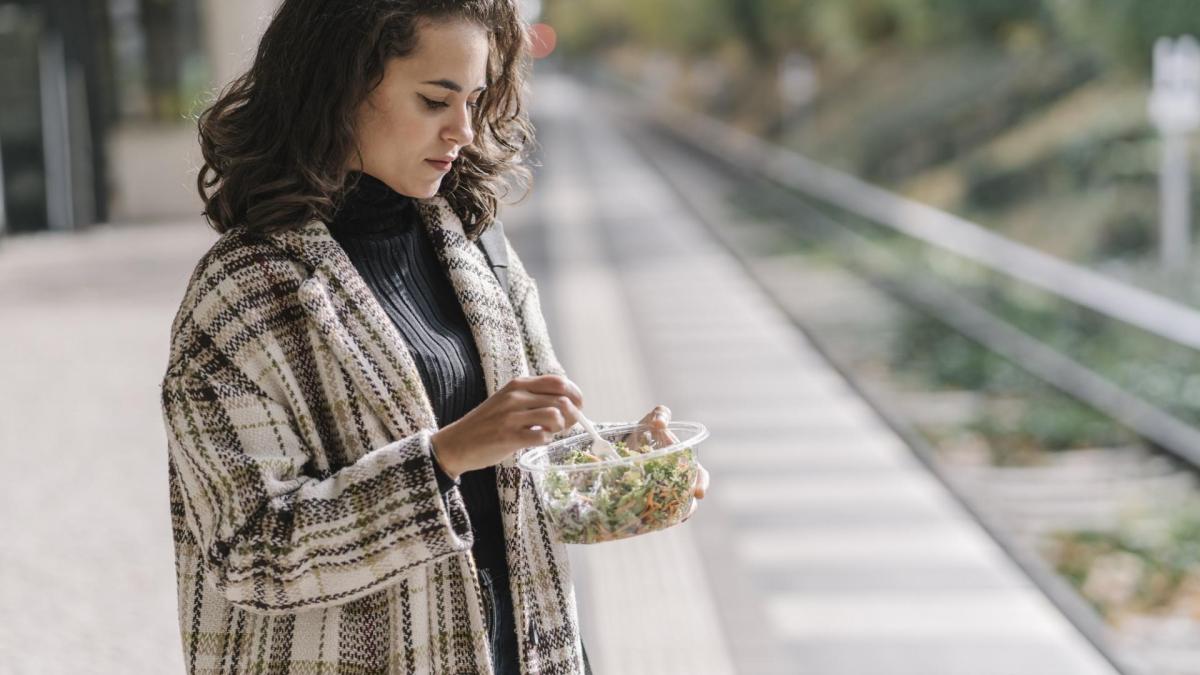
(432, 104)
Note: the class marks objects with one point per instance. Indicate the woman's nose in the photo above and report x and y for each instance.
(460, 131)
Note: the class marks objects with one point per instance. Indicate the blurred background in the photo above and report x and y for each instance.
(923, 266)
(97, 98)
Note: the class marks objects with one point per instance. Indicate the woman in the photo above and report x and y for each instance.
(349, 379)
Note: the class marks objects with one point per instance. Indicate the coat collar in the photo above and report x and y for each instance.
(366, 342)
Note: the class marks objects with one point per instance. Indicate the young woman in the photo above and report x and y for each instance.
(349, 378)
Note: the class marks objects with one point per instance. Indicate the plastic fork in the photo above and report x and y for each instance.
(598, 441)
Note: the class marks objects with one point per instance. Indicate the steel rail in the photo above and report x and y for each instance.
(1137, 307)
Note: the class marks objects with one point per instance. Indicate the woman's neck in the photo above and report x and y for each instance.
(371, 208)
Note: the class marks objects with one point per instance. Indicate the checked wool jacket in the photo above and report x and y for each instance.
(310, 535)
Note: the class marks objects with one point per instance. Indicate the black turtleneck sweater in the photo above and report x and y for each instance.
(382, 233)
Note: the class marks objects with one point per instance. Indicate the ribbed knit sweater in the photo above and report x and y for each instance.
(382, 235)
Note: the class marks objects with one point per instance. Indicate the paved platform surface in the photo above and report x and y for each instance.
(824, 547)
(87, 571)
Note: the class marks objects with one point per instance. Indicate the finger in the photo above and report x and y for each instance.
(634, 440)
(671, 438)
(555, 385)
(549, 419)
(524, 400)
(659, 417)
(578, 393)
(662, 420)
(701, 487)
(662, 416)
(662, 437)
(571, 413)
(534, 436)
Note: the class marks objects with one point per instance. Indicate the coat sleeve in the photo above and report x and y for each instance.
(278, 540)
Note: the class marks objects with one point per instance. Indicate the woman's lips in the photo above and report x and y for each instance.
(439, 165)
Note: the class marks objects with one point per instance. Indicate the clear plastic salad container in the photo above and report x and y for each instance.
(591, 499)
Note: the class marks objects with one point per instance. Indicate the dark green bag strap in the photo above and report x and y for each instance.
(494, 249)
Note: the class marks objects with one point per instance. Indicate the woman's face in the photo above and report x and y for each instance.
(420, 114)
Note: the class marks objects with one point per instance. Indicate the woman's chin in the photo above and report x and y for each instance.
(427, 191)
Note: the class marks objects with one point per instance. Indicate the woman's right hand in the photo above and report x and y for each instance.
(526, 411)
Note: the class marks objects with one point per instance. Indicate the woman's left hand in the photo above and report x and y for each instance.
(657, 420)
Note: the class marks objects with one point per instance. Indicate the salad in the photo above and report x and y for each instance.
(618, 500)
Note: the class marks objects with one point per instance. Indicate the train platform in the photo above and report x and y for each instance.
(824, 547)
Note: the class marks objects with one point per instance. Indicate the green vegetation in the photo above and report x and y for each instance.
(1151, 565)
(1020, 416)
(1153, 368)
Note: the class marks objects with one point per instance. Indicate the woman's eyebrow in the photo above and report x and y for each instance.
(451, 85)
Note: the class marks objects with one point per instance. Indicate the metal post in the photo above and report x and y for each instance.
(1174, 197)
(3, 206)
(1175, 109)
(56, 140)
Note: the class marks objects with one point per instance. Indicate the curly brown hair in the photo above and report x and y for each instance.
(276, 141)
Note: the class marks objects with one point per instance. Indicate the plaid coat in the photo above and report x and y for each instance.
(310, 536)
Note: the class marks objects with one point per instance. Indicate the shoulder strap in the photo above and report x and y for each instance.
(493, 244)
